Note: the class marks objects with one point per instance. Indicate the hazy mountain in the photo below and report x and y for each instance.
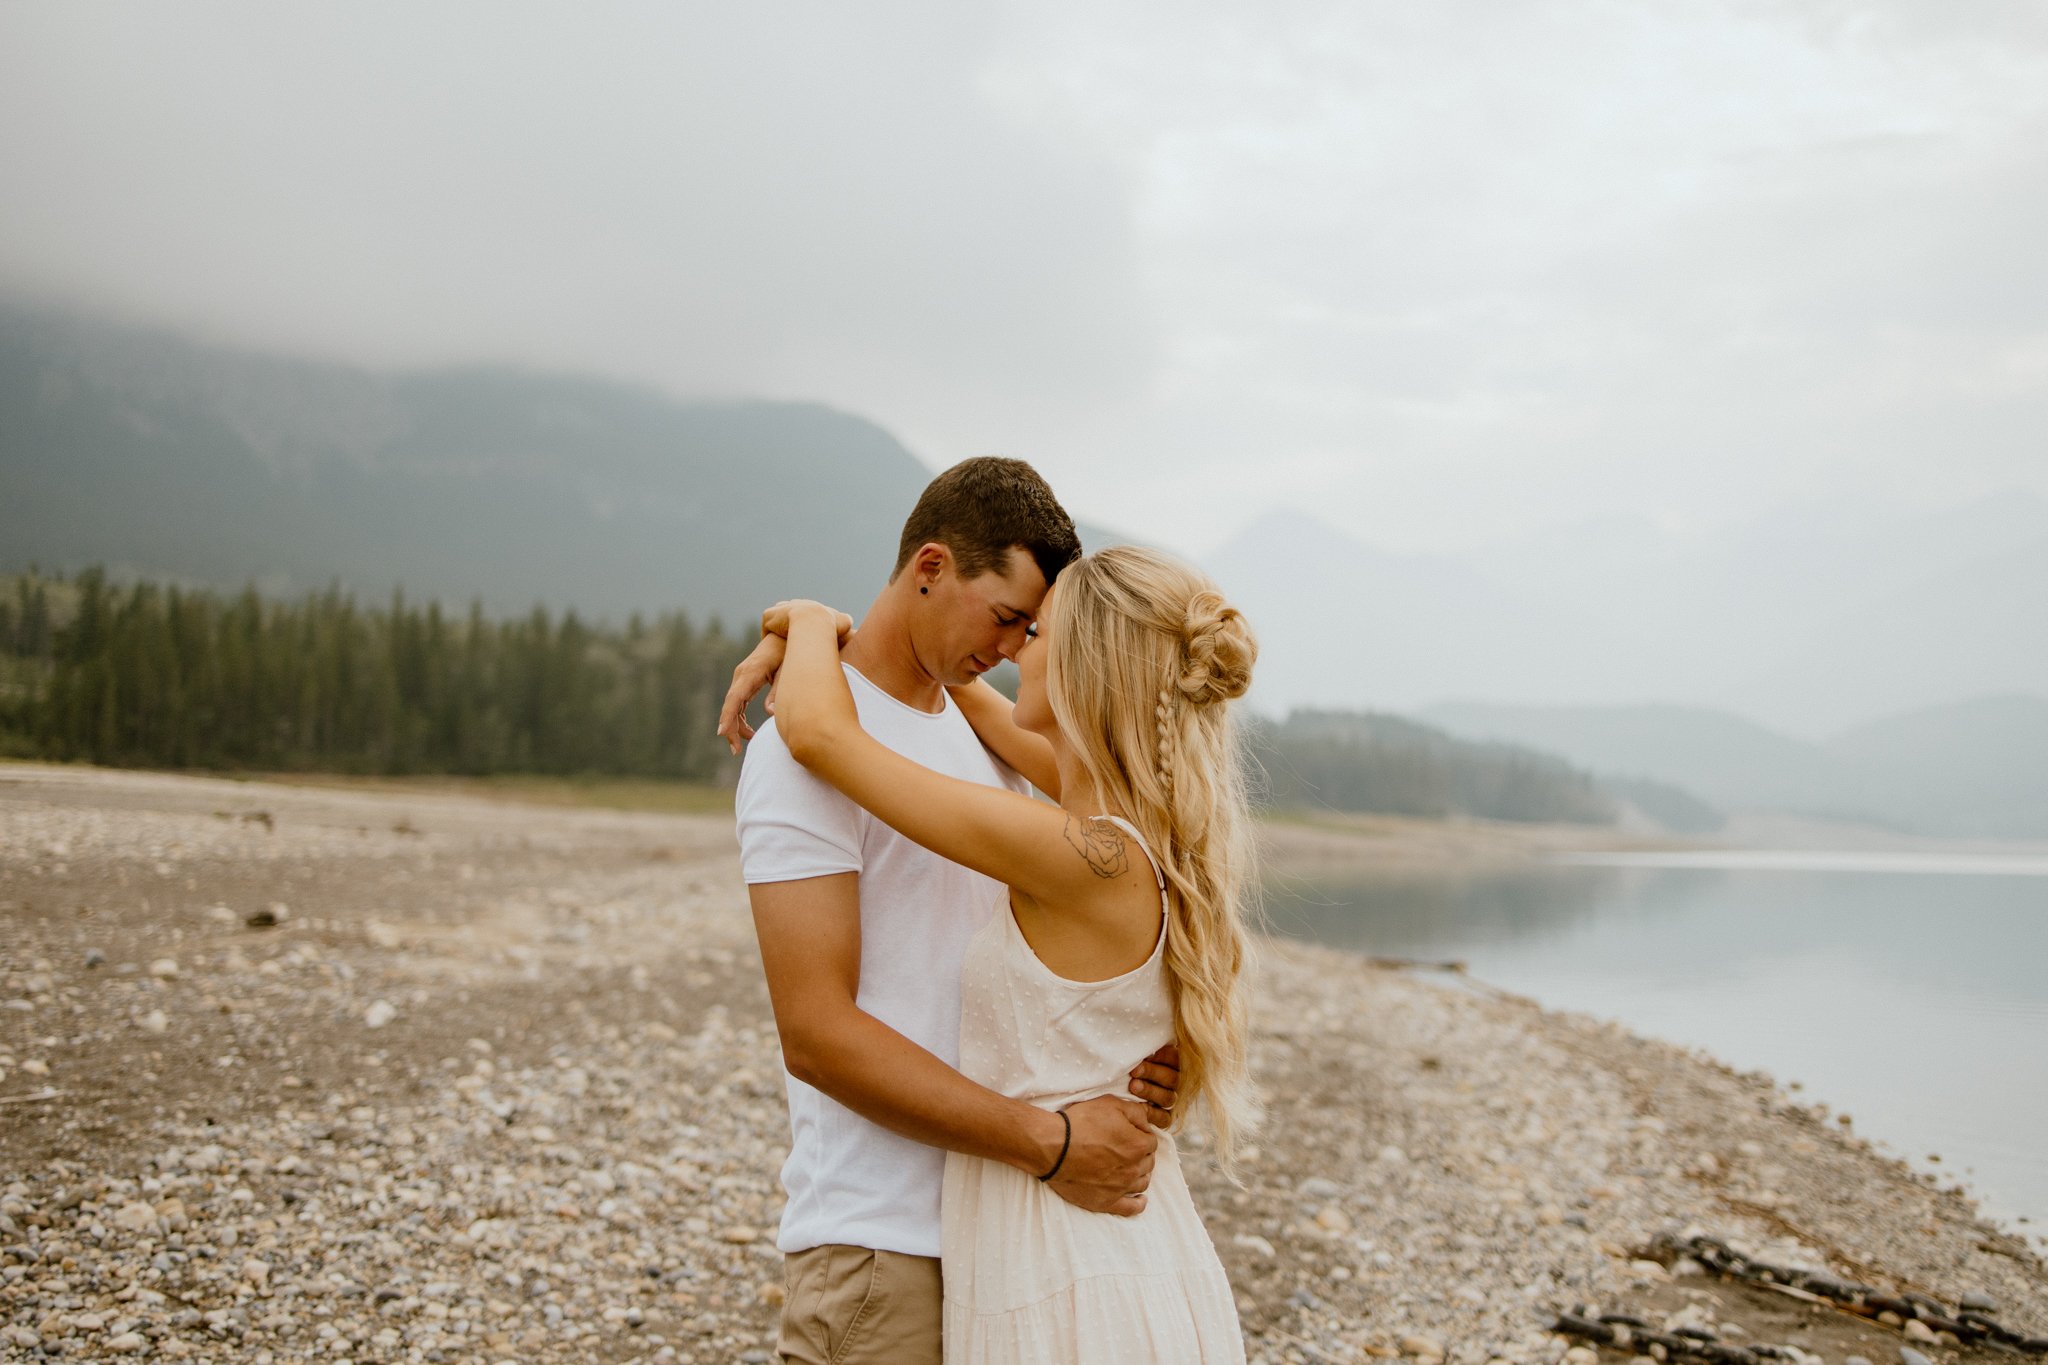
(168, 458)
(1346, 626)
(1810, 620)
(163, 457)
(1967, 628)
(1735, 763)
(1817, 617)
(1976, 768)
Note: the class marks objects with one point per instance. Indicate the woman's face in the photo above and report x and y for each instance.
(1034, 711)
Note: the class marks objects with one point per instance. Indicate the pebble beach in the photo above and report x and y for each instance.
(325, 1074)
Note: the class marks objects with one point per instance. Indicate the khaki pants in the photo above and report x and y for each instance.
(852, 1306)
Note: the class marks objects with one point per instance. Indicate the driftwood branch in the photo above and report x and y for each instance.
(37, 1097)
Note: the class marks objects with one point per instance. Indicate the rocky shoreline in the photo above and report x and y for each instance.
(295, 1074)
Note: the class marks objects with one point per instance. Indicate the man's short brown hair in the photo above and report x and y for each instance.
(982, 508)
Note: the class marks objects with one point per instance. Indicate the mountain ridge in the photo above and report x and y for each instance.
(517, 487)
(1808, 620)
(1976, 768)
(176, 460)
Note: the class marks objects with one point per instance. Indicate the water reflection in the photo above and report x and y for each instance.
(1918, 1001)
(1436, 915)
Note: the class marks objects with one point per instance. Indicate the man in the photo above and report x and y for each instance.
(863, 934)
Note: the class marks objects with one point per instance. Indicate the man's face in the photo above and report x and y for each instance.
(969, 625)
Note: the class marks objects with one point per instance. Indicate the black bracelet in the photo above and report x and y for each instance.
(1065, 1143)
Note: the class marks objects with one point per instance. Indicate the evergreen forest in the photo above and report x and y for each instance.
(149, 675)
(155, 675)
(1363, 761)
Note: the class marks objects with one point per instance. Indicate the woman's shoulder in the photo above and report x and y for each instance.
(1117, 848)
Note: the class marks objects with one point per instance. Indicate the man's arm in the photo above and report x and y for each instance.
(810, 949)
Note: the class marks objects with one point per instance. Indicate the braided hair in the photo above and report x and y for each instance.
(1130, 625)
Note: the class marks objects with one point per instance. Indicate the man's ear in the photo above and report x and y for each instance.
(931, 562)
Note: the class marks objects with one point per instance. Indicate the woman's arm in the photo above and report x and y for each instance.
(758, 670)
(989, 712)
(1038, 849)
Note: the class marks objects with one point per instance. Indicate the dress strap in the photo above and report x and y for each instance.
(1143, 847)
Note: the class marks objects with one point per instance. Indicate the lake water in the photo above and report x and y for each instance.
(1910, 991)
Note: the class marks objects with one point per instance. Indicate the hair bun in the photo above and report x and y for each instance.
(1220, 650)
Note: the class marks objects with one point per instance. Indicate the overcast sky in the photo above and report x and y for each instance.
(1443, 273)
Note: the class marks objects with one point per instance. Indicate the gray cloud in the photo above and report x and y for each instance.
(791, 201)
(1445, 274)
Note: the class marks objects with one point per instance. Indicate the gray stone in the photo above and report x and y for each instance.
(1510, 1193)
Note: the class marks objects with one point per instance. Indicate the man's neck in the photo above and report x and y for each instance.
(881, 652)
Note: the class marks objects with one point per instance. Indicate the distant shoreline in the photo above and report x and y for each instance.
(1367, 840)
(1408, 843)
(1414, 844)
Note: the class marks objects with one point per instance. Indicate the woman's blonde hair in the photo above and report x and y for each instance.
(1145, 655)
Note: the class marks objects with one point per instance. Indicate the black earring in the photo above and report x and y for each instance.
(924, 592)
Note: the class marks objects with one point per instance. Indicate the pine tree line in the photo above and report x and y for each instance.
(154, 675)
(1348, 761)
(161, 676)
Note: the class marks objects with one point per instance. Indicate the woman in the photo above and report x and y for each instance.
(1125, 932)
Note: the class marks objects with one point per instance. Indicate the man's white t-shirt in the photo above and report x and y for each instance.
(848, 1180)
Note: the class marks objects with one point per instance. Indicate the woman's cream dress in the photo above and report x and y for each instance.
(1029, 1278)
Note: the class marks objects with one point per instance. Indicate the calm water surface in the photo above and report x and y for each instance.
(1909, 991)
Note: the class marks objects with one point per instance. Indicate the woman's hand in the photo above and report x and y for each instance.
(755, 672)
(759, 668)
(775, 620)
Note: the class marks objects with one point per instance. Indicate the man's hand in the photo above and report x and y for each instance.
(755, 672)
(1109, 1160)
(1156, 1080)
